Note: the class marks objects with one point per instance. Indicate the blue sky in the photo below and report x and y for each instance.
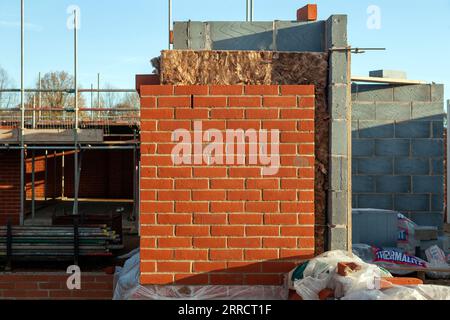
(118, 38)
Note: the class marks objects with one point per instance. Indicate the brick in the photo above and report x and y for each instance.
(307, 13)
(192, 231)
(227, 207)
(261, 90)
(282, 101)
(261, 113)
(157, 114)
(244, 242)
(280, 242)
(227, 230)
(191, 254)
(191, 90)
(306, 102)
(209, 242)
(173, 266)
(209, 218)
(252, 195)
(210, 172)
(245, 102)
(167, 102)
(264, 231)
(227, 183)
(174, 172)
(156, 254)
(226, 254)
(284, 218)
(208, 195)
(191, 114)
(178, 242)
(297, 231)
(303, 90)
(226, 279)
(157, 90)
(172, 218)
(148, 102)
(273, 195)
(226, 90)
(261, 254)
(191, 184)
(246, 218)
(227, 113)
(208, 266)
(191, 206)
(209, 102)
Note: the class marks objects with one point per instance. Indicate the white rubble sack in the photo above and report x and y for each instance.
(321, 273)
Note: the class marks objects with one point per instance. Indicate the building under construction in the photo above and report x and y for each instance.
(82, 175)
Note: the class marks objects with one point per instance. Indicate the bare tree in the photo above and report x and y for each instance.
(7, 99)
(58, 80)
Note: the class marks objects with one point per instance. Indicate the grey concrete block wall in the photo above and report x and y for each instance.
(398, 149)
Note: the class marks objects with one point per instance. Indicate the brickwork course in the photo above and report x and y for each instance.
(226, 224)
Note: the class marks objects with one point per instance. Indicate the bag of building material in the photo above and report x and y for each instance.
(389, 258)
(321, 273)
(406, 238)
(437, 259)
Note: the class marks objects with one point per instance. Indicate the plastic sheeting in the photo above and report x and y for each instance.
(127, 287)
(362, 284)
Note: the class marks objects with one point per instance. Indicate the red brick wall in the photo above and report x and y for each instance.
(105, 174)
(43, 286)
(54, 174)
(225, 224)
(9, 186)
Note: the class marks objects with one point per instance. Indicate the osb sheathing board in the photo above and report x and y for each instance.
(187, 67)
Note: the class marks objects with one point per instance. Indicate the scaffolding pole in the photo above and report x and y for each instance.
(170, 21)
(22, 113)
(76, 170)
(33, 179)
(45, 174)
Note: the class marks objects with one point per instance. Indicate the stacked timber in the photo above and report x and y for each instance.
(57, 241)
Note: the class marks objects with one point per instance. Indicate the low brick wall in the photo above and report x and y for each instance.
(43, 286)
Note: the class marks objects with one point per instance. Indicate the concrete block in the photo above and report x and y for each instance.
(375, 201)
(354, 92)
(339, 137)
(363, 184)
(393, 74)
(336, 34)
(376, 129)
(337, 238)
(437, 92)
(392, 147)
(437, 166)
(434, 219)
(438, 129)
(425, 233)
(427, 148)
(375, 165)
(363, 147)
(338, 175)
(428, 184)
(338, 101)
(373, 92)
(411, 202)
(437, 202)
(394, 184)
(337, 207)
(393, 111)
(413, 129)
(428, 110)
(419, 92)
(363, 111)
(411, 166)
